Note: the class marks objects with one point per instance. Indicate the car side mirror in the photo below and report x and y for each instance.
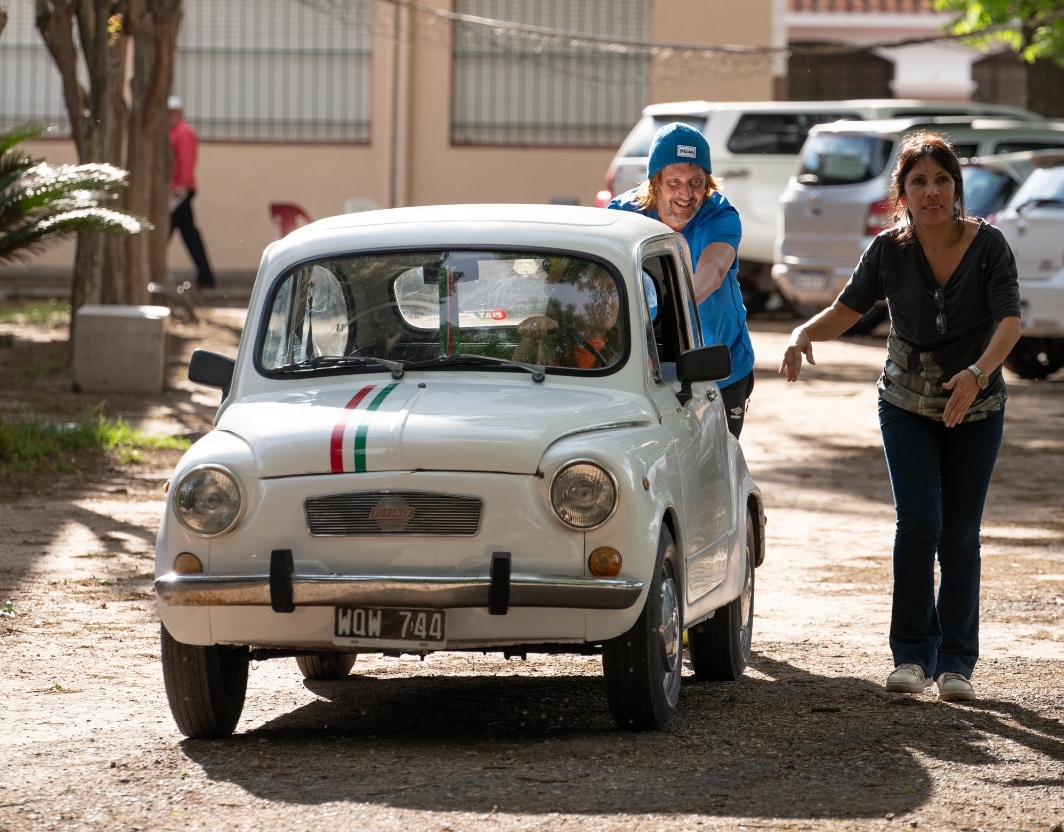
(711, 363)
(211, 369)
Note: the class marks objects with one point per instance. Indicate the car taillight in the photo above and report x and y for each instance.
(878, 217)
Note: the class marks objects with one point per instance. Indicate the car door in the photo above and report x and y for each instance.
(698, 429)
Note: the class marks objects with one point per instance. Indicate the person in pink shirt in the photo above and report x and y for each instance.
(183, 187)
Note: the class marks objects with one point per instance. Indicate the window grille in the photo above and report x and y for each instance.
(276, 70)
(531, 82)
(30, 86)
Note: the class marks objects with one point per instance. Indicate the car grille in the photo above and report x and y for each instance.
(393, 512)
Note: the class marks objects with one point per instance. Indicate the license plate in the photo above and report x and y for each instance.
(390, 626)
(811, 281)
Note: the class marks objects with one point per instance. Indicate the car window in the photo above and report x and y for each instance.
(835, 159)
(1016, 145)
(777, 133)
(985, 190)
(543, 308)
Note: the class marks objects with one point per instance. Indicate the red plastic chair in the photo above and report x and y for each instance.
(288, 216)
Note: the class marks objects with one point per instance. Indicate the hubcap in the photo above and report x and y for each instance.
(669, 626)
(746, 599)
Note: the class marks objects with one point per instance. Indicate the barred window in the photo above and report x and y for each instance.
(30, 86)
(276, 70)
(536, 81)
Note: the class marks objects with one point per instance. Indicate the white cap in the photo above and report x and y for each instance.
(175, 103)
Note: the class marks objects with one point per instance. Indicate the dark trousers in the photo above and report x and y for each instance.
(939, 477)
(736, 397)
(181, 218)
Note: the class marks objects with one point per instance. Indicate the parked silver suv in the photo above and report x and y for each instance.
(835, 202)
(754, 147)
(1033, 223)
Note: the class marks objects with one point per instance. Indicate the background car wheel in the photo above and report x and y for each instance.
(326, 665)
(1036, 357)
(205, 686)
(720, 647)
(643, 667)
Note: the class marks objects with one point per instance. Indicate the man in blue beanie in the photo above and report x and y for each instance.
(681, 192)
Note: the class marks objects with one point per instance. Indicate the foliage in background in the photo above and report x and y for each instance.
(32, 443)
(1031, 28)
(41, 204)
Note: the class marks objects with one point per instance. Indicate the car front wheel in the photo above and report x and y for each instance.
(205, 686)
(720, 647)
(643, 667)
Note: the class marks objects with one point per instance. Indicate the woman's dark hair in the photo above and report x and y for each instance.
(923, 144)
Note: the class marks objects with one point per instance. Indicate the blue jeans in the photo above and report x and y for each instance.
(939, 477)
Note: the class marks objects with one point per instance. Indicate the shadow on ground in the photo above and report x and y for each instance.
(524, 745)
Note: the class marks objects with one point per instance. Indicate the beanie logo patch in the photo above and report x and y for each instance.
(686, 151)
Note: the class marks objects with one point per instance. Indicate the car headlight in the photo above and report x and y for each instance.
(208, 500)
(583, 495)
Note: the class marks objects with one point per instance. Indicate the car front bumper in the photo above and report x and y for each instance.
(431, 592)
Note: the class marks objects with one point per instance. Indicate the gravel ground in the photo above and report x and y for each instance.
(808, 740)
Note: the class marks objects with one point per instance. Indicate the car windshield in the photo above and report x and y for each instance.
(1045, 186)
(442, 309)
(838, 159)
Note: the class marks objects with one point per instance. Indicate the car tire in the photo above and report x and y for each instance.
(323, 666)
(1036, 358)
(205, 686)
(643, 667)
(719, 648)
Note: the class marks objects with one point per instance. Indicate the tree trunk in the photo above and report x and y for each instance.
(123, 125)
(154, 27)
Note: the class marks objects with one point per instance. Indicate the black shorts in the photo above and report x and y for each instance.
(736, 398)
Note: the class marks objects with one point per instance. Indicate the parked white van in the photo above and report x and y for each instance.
(754, 146)
(835, 201)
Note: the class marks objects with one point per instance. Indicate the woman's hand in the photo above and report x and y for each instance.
(800, 345)
(964, 390)
(538, 326)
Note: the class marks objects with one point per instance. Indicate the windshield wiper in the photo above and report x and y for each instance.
(460, 358)
(319, 362)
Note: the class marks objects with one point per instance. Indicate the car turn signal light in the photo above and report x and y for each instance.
(604, 562)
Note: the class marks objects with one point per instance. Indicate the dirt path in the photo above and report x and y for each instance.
(806, 741)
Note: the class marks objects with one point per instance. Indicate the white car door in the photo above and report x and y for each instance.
(698, 428)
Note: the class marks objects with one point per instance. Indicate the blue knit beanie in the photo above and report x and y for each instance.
(677, 143)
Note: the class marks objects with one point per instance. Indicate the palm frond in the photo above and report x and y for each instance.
(33, 236)
(41, 203)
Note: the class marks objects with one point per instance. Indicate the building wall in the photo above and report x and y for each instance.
(409, 159)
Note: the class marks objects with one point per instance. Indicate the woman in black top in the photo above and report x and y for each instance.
(950, 283)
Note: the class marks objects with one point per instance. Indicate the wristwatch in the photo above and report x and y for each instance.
(981, 378)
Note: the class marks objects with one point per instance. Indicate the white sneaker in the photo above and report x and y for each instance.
(908, 678)
(953, 687)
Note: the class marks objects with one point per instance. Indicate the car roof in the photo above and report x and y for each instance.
(892, 126)
(598, 232)
(1020, 159)
(704, 108)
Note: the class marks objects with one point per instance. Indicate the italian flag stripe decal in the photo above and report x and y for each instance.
(336, 445)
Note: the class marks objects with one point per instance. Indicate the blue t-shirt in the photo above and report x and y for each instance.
(722, 314)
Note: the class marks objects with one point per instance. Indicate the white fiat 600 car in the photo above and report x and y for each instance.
(479, 428)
